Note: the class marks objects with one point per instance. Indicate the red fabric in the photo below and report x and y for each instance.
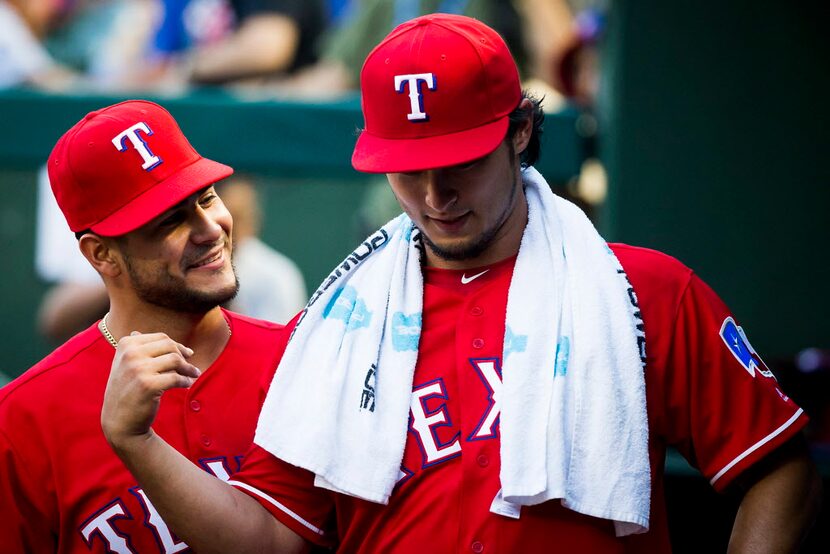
(699, 398)
(113, 177)
(57, 471)
(456, 85)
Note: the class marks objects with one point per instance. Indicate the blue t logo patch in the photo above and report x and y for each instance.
(735, 340)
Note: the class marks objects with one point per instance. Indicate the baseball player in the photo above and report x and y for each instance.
(455, 414)
(142, 202)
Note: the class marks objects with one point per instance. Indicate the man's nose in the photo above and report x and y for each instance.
(440, 194)
(206, 227)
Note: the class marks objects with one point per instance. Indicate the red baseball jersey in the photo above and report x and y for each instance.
(62, 489)
(708, 394)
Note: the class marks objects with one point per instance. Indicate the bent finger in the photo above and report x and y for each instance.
(160, 345)
(173, 380)
(172, 362)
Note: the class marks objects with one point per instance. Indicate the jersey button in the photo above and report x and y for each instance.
(195, 405)
(476, 310)
(477, 547)
(483, 460)
(478, 343)
(206, 440)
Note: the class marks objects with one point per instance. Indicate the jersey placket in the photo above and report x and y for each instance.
(478, 363)
(194, 408)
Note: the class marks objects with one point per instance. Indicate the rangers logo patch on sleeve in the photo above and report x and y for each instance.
(735, 340)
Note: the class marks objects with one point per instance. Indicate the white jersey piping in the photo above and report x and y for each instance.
(279, 505)
(756, 446)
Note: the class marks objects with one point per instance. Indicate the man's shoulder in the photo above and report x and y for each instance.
(68, 366)
(651, 268)
(638, 258)
(248, 324)
(258, 334)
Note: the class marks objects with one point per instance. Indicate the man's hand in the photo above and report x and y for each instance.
(145, 366)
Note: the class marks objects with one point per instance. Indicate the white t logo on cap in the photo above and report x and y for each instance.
(120, 142)
(416, 100)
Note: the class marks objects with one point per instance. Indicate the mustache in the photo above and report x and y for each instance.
(199, 254)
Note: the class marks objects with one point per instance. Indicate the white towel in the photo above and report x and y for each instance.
(573, 421)
(581, 436)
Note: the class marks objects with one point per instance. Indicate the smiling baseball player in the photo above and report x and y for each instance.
(484, 373)
(142, 202)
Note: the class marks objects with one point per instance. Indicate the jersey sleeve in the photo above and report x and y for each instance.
(288, 492)
(24, 517)
(724, 409)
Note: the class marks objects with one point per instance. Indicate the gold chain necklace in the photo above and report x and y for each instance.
(102, 326)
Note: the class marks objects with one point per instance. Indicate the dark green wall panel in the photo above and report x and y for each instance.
(717, 143)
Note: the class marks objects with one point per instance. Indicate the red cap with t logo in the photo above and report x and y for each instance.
(121, 166)
(436, 92)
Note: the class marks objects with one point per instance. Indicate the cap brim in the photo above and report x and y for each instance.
(374, 154)
(166, 194)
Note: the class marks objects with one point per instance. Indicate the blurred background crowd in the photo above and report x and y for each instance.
(695, 127)
(307, 48)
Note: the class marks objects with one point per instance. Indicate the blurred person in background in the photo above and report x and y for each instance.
(270, 37)
(575, 71)
(76, 297)
(535, 30)
(271, 286)
(73, 44)
(575, 74)
(24, 60)
(229, 41)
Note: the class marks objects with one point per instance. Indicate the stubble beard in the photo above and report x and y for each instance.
(166, 291)
(477, 246)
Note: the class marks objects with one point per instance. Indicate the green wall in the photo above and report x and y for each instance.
(20, 290)
(717, 144)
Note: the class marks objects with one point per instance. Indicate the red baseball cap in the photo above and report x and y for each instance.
(437, 91)
(121, 166)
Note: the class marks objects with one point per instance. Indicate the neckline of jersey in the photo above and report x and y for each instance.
(451, 278)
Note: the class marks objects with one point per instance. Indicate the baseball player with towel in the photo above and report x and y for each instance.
(485, 373)
(142, 203)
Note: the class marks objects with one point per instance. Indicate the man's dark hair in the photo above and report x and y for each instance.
(519, 115)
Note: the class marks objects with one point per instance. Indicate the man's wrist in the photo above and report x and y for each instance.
(128, 444)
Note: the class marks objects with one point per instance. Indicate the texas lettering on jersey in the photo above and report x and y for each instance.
(102, 526)
(428, 413)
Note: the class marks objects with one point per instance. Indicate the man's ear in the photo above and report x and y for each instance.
(522, 136)
(101, 253)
